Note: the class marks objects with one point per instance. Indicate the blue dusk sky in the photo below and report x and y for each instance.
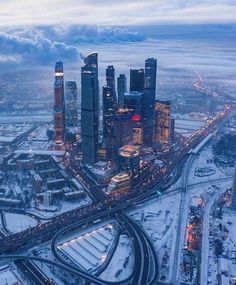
(36, 33)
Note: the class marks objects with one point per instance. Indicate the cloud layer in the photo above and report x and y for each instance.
(114, 12)
(49, 43)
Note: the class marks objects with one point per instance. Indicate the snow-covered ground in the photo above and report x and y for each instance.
(18, 222)
(8, 276)
(61, 277)
(159, 218)
(202, 160)
(122, 263)
(221, 229)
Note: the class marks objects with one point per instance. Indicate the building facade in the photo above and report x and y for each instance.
(109, 108)
(71, 103)
(121, 88)
(149, 99)
(137, 80)
(162, 125)
(110, 77)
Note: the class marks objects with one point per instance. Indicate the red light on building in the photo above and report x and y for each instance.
(136, 118)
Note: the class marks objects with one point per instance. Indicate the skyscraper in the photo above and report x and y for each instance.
(89, 108)
(149, 99)
(122, 128)
(110, 77)
(70, 104)
(137, 80)
(162, 126)
(121, 88)
(109, 108)
(59, 106)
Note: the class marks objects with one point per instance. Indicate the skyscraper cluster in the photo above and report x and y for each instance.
(130, 119)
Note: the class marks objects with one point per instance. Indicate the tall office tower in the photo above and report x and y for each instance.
(122, 128)
(121, 88)
(162, 126)
(110, 77)
(149, 99)
(233, 203)
(89, 108)
(59, 106)
(70, 104)
(137, 80)
(109, 108)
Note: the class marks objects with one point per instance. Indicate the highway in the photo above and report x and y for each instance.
(111, 205)
(33, 273)
(180, 236)
(28, 269)
(143, 248)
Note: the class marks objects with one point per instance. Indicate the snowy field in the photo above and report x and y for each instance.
(159, 218)
(8, 277)
(89, 251)
(204, 159)
(222, 264)
(18, 222)
(122, 263)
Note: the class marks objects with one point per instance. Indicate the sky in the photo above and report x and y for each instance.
(115, 12)
(39, 32)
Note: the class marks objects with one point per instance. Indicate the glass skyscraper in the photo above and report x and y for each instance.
(70, 103)
(121, 88)
(149, 99)
(109, 108)
(110, 77)
(137, 80)
(89, 108)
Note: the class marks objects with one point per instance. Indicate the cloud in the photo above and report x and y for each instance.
(46, 44)
(35, 50)
(90, 34)
(114, 12)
